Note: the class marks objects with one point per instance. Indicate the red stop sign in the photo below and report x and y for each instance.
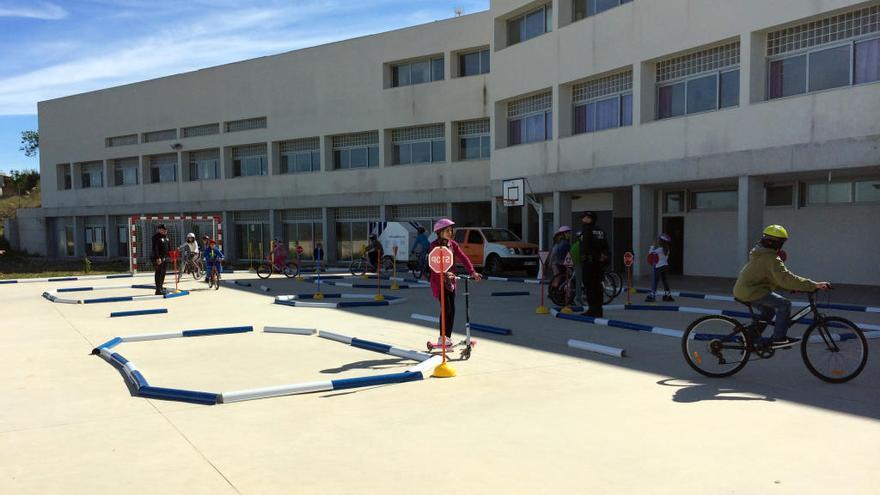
(299, 250)
(627, 258)
(440, 259)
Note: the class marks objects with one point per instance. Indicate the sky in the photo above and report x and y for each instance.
(60, 48)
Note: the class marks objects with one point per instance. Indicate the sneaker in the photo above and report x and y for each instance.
(780, 342)
(449, 343)
(650, 298)
(668, 298)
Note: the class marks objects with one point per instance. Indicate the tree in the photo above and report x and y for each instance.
(30, 142)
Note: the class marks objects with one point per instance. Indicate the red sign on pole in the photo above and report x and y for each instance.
(627, 258)
(299, 249)
(440, 259)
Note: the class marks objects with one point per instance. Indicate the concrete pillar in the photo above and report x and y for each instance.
(750, 216)
(499, 214)
(643, 92)
(79, 237)
(644, 225)
(752, 68)
(112, 236)
(275, 229)
(228, 236)
(383, 213)
(561, 209)
(329, 219)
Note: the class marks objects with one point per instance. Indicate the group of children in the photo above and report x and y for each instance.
(211, 254)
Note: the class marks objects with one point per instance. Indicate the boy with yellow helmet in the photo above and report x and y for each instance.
(764, 273)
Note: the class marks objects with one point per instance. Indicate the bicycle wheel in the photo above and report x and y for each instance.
(198, 270)
(618, 282)
(291, 269)
(715, 346)
(388, 265)
(215, 275)
(834, 349)
(358, 268)
(610, 289)
(264, 270)
(556, 291)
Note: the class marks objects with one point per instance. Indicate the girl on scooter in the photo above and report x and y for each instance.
(443, 229)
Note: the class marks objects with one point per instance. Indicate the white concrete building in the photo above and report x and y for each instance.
(703, 118)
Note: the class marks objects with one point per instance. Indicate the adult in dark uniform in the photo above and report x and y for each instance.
(594, 256)
(159, 255)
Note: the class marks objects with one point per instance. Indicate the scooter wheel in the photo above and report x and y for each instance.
(430, 346)
(466, 353)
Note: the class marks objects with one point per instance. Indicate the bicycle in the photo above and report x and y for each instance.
(833, 349)
(562, 285)
(265, 270)
(214, 279)
(362, 265)
(419, 266)
(194, 266)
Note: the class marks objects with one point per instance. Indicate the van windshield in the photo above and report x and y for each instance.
(500, 235)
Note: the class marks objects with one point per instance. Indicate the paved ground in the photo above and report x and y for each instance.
(525, 415)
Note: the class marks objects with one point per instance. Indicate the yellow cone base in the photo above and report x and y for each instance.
(394, 286)
(566, 311)
(444, 371)
(299, 278)
(378, 297)
(542, 310)
(318, 296)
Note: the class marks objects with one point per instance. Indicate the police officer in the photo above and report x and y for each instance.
(594, 255)
(159, 255)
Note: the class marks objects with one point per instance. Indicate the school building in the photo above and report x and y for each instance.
(706, 119)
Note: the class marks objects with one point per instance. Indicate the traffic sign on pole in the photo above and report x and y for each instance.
(440, 259)
(627, 258)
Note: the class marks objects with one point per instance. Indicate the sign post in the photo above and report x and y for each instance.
(394, 284)
(299, 252)
(378, 296)
(542, 258)
(174, 254)
(440, 262)
(569, 265)
(628, 261)
(318, 253)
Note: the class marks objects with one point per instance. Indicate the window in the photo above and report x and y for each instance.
(417, 72)
(125, 171)
(474, 140)
(249, 160)
(459, 235)
(92, 175)
(95, 240)
(833, 52)
(305, 235)
(121, 140)
(473, 63)
(204, 165)
(301, 155)
(702, 81)
(200, 130)
(359, 150)
(65, 180)
(166, 135)
(245, 124)
(424, 144)
(530, 25)
(530, 119)
(474, 237)
(829, 193)
(674, 202)
(867, 190)
(779, 195)
(603, 103)
(715, 200)
(122, 241)
(163, 168)
(585, 8)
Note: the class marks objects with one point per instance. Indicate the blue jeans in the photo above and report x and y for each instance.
(210, 266)
(774, 305)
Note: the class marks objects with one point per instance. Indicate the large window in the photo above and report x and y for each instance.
(305, 235)
(530, 119)
(204, 165)
(714, 200)
(833, 52)
(200, 130)
(585, 8)
(125, 171)
(423, 144)
(529, 25)
(417, 72)
(95, 240)
(359, 150)
(92, 175)
(474, 140)
(673, 202)
(698, 82)
(473, 63)
(245, 124)
(163, 168)
(251, 235)
(126, 140)
(603, 103)
(249, 160)
(165, 135)
(861, 191)
(779, 195)
(301, 155)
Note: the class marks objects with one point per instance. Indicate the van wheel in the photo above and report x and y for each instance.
(493, 265)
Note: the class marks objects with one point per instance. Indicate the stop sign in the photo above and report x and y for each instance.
(627, 258)
(440, 259)
(299, 250)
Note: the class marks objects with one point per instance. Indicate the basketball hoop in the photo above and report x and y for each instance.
(513, 192)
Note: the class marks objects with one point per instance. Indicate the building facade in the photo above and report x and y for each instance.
(705, 119)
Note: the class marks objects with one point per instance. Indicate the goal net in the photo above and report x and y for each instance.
(142, 227)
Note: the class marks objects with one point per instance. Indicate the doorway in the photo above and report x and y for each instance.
(674, 226)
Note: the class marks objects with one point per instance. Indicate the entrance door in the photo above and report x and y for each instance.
(674, 226)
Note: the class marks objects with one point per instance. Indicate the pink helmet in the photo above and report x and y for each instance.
(563, 229)
(442, 224)
(665, 237)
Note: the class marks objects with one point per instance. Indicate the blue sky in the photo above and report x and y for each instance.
(59, 48)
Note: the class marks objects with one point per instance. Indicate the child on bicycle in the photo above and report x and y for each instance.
(420, 249)
(213, 257)
(659, 254)
(443, 229)
(189, 250)
(279, 254)
(764, 273)
(374, 248)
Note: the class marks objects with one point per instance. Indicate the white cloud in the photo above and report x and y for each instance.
(43, 10)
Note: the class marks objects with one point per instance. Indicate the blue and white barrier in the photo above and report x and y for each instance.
(800, 304)
(368, 286)
(365, 300)
(511, 293)
(51, 296)
(514, 279)
(666, 332)
(477, 327)
(243, 284)
(597, 348)
(139, 312)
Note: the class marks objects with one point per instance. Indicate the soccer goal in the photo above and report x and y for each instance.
(142, 227)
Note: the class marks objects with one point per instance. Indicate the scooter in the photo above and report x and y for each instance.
(467, 344)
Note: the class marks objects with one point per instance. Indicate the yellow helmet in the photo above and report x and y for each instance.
(776, 231)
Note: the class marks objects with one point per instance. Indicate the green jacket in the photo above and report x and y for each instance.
(575, 251)
(764, 273)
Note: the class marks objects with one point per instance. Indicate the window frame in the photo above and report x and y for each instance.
(806, 52)
(432, 77)
(521, 18)
(691, 77)
(790, 185)
(198, 167)
(479, 53)
(805, 193)
(618, 96)
(587, 14)
(118, 169)
(86, 171)
(692, 199)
